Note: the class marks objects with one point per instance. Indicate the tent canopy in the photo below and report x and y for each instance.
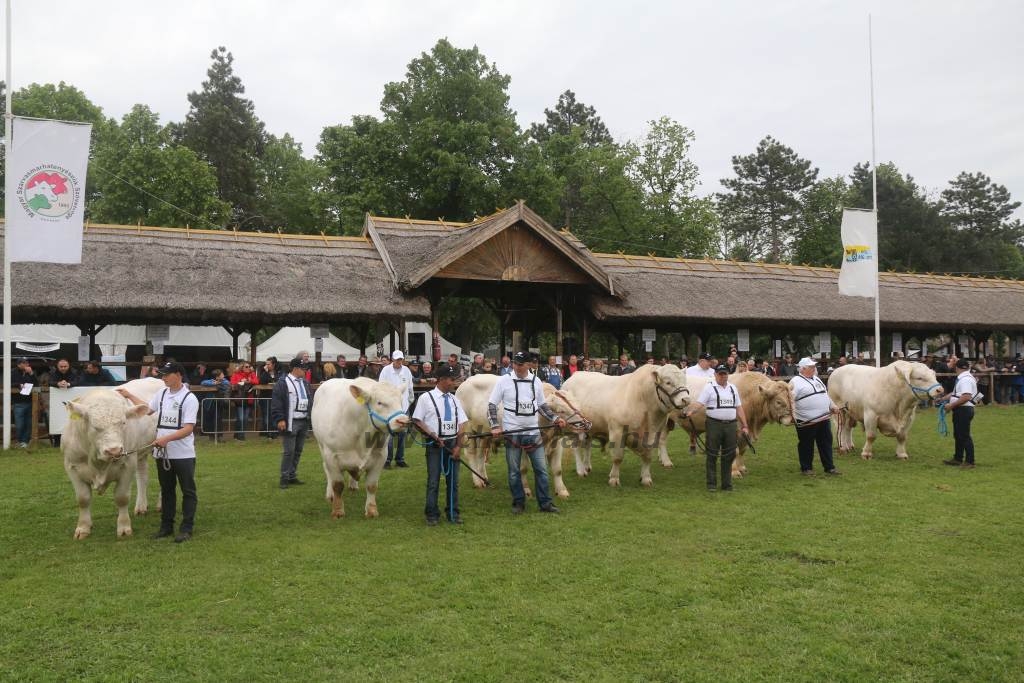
(290, 340)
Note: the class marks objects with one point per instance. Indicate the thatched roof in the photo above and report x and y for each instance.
(682, 292)
(160, 275)
(414, 251)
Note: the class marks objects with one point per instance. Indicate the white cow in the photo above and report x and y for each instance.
(764, 400)
(351, 420)
(628, 410)
(882, 399)
(474, 394)
(105, 443)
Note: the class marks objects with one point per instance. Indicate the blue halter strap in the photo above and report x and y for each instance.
(919, 392)
(385, 421)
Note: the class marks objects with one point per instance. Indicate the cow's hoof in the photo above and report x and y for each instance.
(563, 494)
(141, 510)
(647, 483)
(371, 512)
(127, 531)
(581, 473)
(527, 492)
(588, 469)
(337, 514)
(353, 485)
(667, 465)
(737, 474)
(613, 481)
(902, 457)
(866, 456)
(82, 533)
(478, 484)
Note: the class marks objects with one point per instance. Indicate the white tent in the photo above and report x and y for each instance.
(113, 339)
(447, 347)
(290, 340)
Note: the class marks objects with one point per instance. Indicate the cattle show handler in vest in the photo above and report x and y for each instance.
(814, 410)
(722, 408)
(290, 403)
(520, 396)
(398, 375)
(441, 417)
(174, 449)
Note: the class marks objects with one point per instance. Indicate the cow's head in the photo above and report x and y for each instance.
(105, 415)
(670, 385)
(778, 401)
(384, 405)
(920, 378)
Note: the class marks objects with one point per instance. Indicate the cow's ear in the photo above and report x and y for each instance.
(761, 389)
(76, 410)
(136, 411)
(357, 394)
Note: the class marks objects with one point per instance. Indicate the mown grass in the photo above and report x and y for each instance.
(896, 571)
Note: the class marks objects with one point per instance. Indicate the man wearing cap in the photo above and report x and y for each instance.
(400, 376)
(814, 409)
(520, 396)
(290, 403)
(441, 417)
(722, 408)
(177, 409)
(704, 368)
(961, 402)
(23, 379)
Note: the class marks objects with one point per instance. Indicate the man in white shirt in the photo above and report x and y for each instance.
(703, 368)
(290, 404)
(174, 449)
(520, 396)
(962, 401)
(722, 407)
(400, 376)
(441, 417)
(814, 409)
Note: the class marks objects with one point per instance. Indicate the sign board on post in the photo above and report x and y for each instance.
(854, 347)
(743, 339)
(156, 333)
(778, 348)
(158, 347)
(648, 346)
(319, 331)
(897, 341)
(825, 342)
(648, 335)
(83, 348)
(318, 345)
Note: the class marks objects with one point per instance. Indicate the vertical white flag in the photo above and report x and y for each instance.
(859, 272)
(46, 168)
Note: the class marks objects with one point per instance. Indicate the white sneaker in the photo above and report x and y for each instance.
(23, 445)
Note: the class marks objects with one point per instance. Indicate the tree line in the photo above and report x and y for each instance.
(446, 144)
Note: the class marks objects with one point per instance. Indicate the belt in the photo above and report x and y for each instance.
(297, 417)
(715, 419)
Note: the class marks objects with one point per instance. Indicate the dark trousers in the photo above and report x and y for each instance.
(396, 447)
(807, 437)
(720, 442)
(183, 473)
(22, 421)
(439, 461)
(292, 443)
(963, 443)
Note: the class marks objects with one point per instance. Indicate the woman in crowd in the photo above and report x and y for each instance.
(242, 382)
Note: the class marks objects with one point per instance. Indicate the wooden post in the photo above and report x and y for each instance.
(558, 330)
(586, 336)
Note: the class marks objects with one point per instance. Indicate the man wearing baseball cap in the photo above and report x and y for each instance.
(177, 409)
(722, 408)
(23, 379)
(400, 376)
(290, 405)
(442, 418)
(813, 410)
(520, 396)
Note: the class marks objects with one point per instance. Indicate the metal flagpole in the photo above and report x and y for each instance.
(874, 197)
(8, 120)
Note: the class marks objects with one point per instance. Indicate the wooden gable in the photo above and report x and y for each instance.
(515, 254)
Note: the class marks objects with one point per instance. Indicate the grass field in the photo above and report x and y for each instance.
(896, 571)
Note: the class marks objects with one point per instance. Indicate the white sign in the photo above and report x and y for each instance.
(156, 333)
(648, 335)
(83, 348)
(648, 346)
(825, 342)
(319, 331)
(854, 347)
(858, 275)
(897, 341)
(158, 347)
(743, 339)
(965, 344)
(318, 345)
(778, 348)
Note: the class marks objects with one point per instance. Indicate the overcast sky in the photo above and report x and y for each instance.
(948, 93)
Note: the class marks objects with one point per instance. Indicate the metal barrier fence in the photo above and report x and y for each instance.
(237, 416)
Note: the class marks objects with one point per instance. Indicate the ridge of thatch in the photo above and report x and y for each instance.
(147, 274)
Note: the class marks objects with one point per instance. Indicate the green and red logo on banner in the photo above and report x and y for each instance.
(49, 192)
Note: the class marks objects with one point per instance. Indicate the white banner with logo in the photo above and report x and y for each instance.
(46, 190)
(859, 271)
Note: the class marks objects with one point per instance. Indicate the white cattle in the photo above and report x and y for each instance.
(764, 400)
(882, 399)
(474, 394)
(628, 410)
(105, 443)
(351, 420)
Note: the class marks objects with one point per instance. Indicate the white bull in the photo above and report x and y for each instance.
(105, 443)
(764, 400)
(882, 399)
(628, 410)
(474, 394)
(351, 419)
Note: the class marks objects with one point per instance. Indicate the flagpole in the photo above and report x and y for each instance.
(874, 198)
(7, 251)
